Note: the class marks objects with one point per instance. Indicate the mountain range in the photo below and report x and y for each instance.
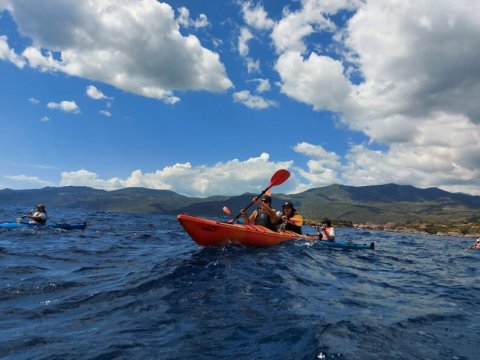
(378, 204)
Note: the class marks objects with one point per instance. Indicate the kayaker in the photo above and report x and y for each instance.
(39, 216)
(327, 231)
(475, 246)
(264, 215)
(289, 219)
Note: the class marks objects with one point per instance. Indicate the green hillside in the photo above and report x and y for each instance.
(380, 204)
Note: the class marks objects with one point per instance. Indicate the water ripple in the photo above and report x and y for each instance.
(144, 290)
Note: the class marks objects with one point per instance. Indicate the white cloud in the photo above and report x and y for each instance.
(290, 32)
(245, 36)
(421, 166)
(88, 46)
(228, 178)
(9, 54)
(67, 106)
(263, 85)
(45, 63)
(105, 113)
(256, 16)
(417, 95)
(34, 101)
(95, 94)
(318, 80)
(32, 180)
(45, 119)
(185, 20)
(252, 101)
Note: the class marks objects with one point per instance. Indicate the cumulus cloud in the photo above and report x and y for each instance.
(34, 101)
(245, 36)
(313, 16)
(225, 178)
(256, 16)
(9, 54)
(317, 80)
(263, 85)
(93, 93)
(88, 46)
(405, 74)
(185, 20)
(105, 113)
(66, 106)
(252, 101)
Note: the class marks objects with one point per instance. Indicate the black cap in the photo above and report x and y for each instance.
(327, 222)
(288, 204)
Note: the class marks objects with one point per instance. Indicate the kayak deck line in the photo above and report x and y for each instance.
(347, 245)
(63, 226)
(206, 232)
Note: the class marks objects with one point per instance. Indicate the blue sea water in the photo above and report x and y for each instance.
(135, 286)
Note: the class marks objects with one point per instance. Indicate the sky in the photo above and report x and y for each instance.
(212, 97)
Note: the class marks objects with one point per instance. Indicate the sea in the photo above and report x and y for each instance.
(135, 286)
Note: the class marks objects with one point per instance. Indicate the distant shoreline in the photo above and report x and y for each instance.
(456, 229)
(410, 230)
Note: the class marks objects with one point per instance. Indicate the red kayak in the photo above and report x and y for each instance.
(214, 233)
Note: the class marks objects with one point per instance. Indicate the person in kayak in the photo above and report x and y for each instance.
(37, 217)
(475, 246)
(264, 215)
(289, 219)
(327, 231)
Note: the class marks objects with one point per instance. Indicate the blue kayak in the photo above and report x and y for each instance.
(346, 244)
(63, 226)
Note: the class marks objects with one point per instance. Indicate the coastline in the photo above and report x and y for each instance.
(457, 229)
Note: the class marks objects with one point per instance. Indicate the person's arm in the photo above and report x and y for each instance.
(38, 217)
(328, 233)
(294, 220)
(249, 220)
(271, 212)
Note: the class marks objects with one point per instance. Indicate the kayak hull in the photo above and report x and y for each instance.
(347, 245)
(62, 226)
(207, 232)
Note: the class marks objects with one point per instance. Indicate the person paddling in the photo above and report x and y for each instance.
(289, 219)
(475, 246)
(265, 215)
(37, 217)
(327, 231)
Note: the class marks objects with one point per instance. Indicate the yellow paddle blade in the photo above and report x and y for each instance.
(297, 220)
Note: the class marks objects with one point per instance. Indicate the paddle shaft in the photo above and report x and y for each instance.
(277, 179)
(251, 203)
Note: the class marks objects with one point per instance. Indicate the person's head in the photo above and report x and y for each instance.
(288, 208)
(267, 199)
(326, 222)
(40, 207)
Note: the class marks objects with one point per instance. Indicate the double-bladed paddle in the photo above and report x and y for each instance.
(278, 178)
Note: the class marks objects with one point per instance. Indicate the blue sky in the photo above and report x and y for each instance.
(209, 97)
